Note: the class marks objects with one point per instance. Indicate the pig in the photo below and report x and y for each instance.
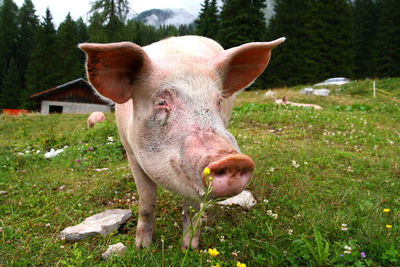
(284, 101)
(173, 100)
(94, 118)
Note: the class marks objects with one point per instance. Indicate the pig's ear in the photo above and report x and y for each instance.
(240, 66)
(114, 69)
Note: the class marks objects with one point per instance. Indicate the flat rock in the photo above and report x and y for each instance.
(117, 249)
(311, 91)
(102, 223)
(244, 199)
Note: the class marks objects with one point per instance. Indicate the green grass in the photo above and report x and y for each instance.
(318, 169)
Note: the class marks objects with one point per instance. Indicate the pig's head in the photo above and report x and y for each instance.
(178, 92)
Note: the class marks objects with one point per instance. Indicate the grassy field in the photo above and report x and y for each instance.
(328, 175)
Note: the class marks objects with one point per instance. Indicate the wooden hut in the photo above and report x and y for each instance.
(76, 96)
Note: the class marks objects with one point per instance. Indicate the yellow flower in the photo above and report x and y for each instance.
(217, 265)
(386, 210)
(206, 171)
(213, 252)
(239, 264)
(388, 226)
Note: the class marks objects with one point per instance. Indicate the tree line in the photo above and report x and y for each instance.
(356, 39)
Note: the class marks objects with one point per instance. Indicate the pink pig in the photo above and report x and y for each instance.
(94, 118)
(284, 101)
(173, 101)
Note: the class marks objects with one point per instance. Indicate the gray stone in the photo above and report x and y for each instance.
(322, 92)
(117, 249)
(311, 91)
(103, 223)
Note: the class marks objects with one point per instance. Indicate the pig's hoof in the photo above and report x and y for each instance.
(184, 248)
(143, 241)
(194, 246)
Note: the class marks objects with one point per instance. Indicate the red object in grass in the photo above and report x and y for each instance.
(10, 111)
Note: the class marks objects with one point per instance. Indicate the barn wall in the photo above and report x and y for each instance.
(69, 107)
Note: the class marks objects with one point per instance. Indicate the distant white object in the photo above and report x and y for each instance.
(53, 153)
(307, 91)
(117, 249)
(321, 92)
(269, 93)
(334, 81)
(244, 199)
(311, 91)
(101, 169)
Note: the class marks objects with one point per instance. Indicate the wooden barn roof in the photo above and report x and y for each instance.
(61, 87)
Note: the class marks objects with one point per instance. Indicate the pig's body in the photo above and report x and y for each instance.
(284, 101)
(94, 118)
(173, 102)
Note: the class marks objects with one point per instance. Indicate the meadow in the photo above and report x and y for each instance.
(327, 185)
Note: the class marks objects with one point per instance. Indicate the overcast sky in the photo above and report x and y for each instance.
(79, 8)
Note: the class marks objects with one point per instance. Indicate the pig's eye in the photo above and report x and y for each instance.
(161, 102)
(219, 103)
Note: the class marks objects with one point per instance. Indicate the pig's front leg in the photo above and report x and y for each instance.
(186, 224)
(147, 190)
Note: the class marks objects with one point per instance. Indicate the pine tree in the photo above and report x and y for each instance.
(387, 45)
(8, 40)
(110, 15)
(83, 34)
(285, 66)
(96, 30)
(27, 26)
(336, 33)
(11, 87)
(207, 24)
(365, 21)
(186, 30)
(241, 21)
(70, 66)
(318, 48)
(43, 64)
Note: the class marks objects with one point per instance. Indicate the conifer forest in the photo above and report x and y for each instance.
(332, 38)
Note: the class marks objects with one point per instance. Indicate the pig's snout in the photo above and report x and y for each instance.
(230, 175)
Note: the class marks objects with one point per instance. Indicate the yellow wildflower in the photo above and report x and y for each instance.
(217, 265)
(386, 210)
(213, 252)
(239, 264)
(206, 171)
(388, 226)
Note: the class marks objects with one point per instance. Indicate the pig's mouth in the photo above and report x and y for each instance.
(230, 175)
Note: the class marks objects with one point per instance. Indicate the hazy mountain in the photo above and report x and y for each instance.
(158, 17)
